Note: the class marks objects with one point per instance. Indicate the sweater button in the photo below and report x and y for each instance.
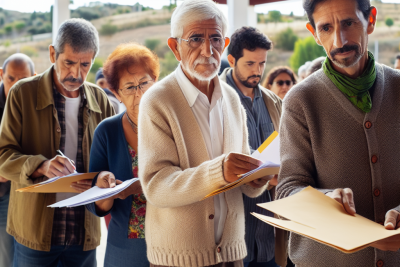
(58, 129)
(211, 217)
(219, 249)
(368, 124)
(379, 263)
(374, 159)
(377, 192)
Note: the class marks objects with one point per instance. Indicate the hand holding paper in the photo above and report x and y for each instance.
(94, 194)
(107, 180)
(236, 164)
(267, 153)
(315, 215)
(392, 222)
(344, 197)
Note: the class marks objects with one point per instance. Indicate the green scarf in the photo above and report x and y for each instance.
(356, 90)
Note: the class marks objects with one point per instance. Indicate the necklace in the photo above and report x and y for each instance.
(133, 125)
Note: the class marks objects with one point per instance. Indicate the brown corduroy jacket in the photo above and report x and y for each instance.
(30, 134)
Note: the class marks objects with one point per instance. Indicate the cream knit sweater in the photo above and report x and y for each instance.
(176, 173)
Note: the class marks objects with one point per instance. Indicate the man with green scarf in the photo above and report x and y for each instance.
(339, 133)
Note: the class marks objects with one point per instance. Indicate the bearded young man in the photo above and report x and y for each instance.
(339, 133)
(192, 141)
(55, 110)
(247, 56)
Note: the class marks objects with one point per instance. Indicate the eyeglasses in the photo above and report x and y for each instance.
(131, 90)
(288, 82)
(196, 42)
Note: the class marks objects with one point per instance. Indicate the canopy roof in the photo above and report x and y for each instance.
(252, 2)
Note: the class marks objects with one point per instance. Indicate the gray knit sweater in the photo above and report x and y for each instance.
(328, 143)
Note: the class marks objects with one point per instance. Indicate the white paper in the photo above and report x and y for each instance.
(271, 153)
(93, 194)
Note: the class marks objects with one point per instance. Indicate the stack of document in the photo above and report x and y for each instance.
(314, 215)
(93, 194)
(61, 184)
(269, 154)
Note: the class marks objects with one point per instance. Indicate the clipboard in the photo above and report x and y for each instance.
(58, 184)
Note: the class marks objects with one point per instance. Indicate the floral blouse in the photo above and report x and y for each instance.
(138, 208)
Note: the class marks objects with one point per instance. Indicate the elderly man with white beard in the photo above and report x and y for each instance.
(192, 141)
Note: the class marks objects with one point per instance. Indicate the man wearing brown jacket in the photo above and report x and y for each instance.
(56, 110)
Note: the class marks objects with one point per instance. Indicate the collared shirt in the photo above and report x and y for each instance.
(259, 236)
(4, 187)
(210, 120)
(68, 224)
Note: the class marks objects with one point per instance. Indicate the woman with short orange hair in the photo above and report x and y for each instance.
(130, 71)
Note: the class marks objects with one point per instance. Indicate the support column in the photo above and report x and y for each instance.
(251, 17)
(61, 13)
(238, 14)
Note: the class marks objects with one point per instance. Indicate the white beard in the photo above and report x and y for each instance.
(205, 76)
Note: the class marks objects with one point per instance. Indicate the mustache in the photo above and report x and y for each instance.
(254, 76)
(72, 79)
(205, 60)
(344, 49)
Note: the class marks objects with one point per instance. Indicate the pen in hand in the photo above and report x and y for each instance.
(62, 155)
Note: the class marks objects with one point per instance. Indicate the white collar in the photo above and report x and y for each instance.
(191, 92)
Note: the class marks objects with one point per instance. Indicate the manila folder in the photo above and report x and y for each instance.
(312, 214)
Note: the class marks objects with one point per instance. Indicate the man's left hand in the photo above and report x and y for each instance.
(392, 222)
(82, 185)
(258, 183)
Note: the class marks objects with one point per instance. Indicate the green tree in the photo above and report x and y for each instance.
(389, 22)
(152, 43)
(305, 50)
(275, 16)
(8, 28)
(286, 39)
(33, 15)
(168, 64)
(260, 18)
(1, 21)
(97, 64)
(108, 29)
(19, 25)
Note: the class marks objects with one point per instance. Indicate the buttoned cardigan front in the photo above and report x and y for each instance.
(176, 172)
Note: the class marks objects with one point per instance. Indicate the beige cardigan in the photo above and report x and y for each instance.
(176, 173)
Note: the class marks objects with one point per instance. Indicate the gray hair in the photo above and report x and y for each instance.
(303, 68)
(191, 11)
(19, 59)
(80, 34)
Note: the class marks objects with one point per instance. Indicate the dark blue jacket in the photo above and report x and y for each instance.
(110, 152)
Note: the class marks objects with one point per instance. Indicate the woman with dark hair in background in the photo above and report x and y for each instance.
(130, 71)
(280, 80)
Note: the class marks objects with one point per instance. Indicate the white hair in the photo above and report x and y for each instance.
(304, 68)
(191, 11)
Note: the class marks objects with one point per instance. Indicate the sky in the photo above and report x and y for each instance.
(285, 7)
